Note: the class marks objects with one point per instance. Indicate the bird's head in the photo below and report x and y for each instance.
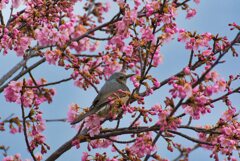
(120, 77)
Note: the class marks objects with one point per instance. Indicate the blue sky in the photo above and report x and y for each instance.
(213, 16)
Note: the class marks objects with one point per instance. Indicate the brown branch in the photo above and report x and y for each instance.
(15, 69)
(190, 59)
(182, 154)
(114, 132)
(190, 138)
(176, 108)
(23, 73)
(120, 152)
(86, 55)
(56, 120)
(225, 95)
(122, 142)
(8, 120)
(137, 118)
(50, 84)
(98, 38)
(2, 19)
(197, 129)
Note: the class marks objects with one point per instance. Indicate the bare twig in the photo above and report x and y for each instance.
(50, 84)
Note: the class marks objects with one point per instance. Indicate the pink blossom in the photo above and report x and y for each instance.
(93, 47)
(110, 66)
(3, 4)
(39, 156)
(122, 27)
(163, 121)
(41, 124)
(8, 158)
(228, 114)
(16, 157)
(52, 56)
(197, 1)
(181, 91)
(151, 7)
(101, 143)
(76, 143)
(207, 53)
(157, 59)
(117, 41)
(12, 92)
(107, 6)
(188, 89)
(84, 156)
(156, 83)
(37, 140)
(197, 107)
(147, 34)
(128, 109)
(183, 36)
(221, 85)
(28, 98)
(16, 3)
(186, 71)
(191, 13)
(93, 123)
(73, 112)
(142, 145)
(22, 45)
(128, 50)
(135, 82)
(137, 3)
(13, 130)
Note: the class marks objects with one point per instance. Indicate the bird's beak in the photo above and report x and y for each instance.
(129, 75)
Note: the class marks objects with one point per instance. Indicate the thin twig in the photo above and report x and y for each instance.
(50, 84)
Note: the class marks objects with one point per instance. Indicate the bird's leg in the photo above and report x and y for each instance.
(118, 119)
(118, 123)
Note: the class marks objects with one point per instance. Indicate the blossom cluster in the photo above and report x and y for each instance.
(164, 121)
(142, 146)
(18, 92)
(17, 157)
(227, 140)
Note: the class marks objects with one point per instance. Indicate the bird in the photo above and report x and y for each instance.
(115, 86)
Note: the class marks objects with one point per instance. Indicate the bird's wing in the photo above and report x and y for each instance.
(107, 90)
(101, 99)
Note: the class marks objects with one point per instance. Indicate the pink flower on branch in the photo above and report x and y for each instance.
(30, 96)
(16, 157)
(73, 112)
(16, 3)
(142, 146)
(191, 13)
(93, 124)
(147, 34)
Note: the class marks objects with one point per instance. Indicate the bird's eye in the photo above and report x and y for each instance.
(121, 77)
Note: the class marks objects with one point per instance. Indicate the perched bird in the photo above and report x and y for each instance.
(115, 86)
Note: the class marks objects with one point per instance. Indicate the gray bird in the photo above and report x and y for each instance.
(100, 105)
